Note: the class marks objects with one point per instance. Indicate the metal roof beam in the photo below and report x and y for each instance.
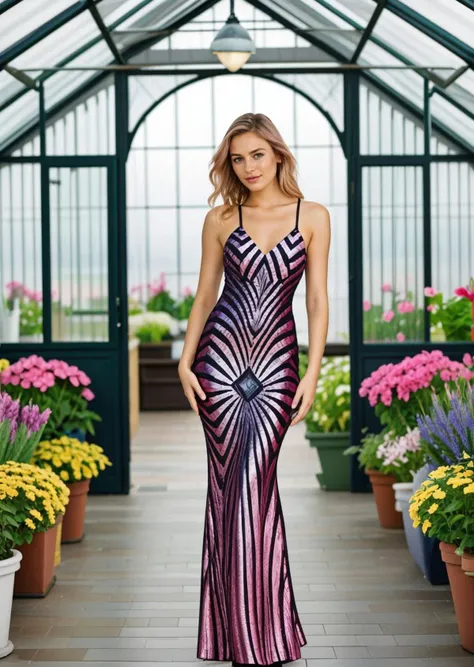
(21, 76)
(443, 37)
(368, 30)
(43, 31)
(8, 4)
(105, 32)
(78, 52)
(468, 3)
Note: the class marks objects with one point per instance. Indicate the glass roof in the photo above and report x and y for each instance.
(40, 37)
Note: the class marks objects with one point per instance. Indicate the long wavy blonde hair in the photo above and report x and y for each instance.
(222, 175)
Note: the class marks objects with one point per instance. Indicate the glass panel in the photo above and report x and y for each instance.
(392, 246)
(459, 123)
(385, 128)
(413, 44)
(20, 254)
(59, 44)
(79, 253)
(325, 89)
(453, 17)
(27, 16)
(18, 116)
(145, 90)
(452, 248)
(88, 126)
(9, 86)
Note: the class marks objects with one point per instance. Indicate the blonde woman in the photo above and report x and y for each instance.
(239, 370)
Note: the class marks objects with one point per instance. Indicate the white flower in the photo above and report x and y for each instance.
(343, 389)
(136, 321)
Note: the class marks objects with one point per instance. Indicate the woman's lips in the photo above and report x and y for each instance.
(254, 178)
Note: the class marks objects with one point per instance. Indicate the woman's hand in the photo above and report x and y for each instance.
(190, 385)
(305, 393)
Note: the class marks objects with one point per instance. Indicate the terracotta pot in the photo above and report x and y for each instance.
(57, 551)
(462, 590)
(382, 486)
(73, 522)
(467, 564)
(36, 576)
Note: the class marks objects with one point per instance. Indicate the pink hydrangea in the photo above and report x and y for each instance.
(406, 307)
(386, 287)
(34, 371)
(367, 305)
(401, 380)
(388, 316)
(430, 291)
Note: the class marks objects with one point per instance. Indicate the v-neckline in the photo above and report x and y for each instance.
(265, 254)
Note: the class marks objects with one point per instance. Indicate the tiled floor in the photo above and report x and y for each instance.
(128, 594)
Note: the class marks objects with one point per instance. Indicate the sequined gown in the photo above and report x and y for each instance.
(247, 364)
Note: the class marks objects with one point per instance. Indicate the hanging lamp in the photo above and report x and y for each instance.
(232, 44)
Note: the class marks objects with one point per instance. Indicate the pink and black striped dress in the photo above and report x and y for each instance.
(247, 364)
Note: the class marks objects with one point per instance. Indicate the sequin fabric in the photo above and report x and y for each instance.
(247, 364)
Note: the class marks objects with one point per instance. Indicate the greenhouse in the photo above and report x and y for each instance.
(110, 113)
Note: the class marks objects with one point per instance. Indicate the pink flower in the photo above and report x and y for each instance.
(406, 307)
(88, 394)
(400, 337)
(430, 291)
(388, 316)
(367, 305)
(467, 292)
(187, 291)
(432, 308)
(467, 359)
(386, 287)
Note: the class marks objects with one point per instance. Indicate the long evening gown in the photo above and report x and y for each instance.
(247, 365)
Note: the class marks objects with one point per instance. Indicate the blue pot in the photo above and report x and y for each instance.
(423, 549)
(78, 433)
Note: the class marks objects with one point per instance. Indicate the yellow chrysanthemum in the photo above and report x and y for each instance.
(469, 489)
(416, 522)
(439, 494)
(37, 515)
(64, 475)
(465, 455)
(31, 524)
(426, 525)
(432, 509)
(439, 473)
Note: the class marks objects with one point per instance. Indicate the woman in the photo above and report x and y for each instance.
(239, 370)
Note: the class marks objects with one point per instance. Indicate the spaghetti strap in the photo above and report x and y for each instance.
(240, 215)
(298, 212)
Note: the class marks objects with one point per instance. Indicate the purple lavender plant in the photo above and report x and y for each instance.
(20, 429)
(448, 429)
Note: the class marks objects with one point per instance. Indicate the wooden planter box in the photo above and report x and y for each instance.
(160, 386)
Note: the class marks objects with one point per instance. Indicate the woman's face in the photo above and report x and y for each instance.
(253, 160)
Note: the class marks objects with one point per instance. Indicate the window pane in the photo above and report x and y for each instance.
(79, 254)
(27, 16)
(20, 252)
(392, 242)
(452, 247)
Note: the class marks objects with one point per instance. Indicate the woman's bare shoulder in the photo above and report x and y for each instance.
(315, 211)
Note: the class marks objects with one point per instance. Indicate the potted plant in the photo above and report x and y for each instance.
(159, 298)
(10, 313)
(75, 462)
(387, 459)
(53, 384)
(444, 507)
(450, 319)
(31, 503)
(328, 423)
(183, 308)
(20, 432)
(446, 433)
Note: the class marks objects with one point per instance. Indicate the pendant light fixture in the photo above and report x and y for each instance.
(232, 44)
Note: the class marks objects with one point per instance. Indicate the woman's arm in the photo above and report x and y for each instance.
(317, 305)
(210, 274)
